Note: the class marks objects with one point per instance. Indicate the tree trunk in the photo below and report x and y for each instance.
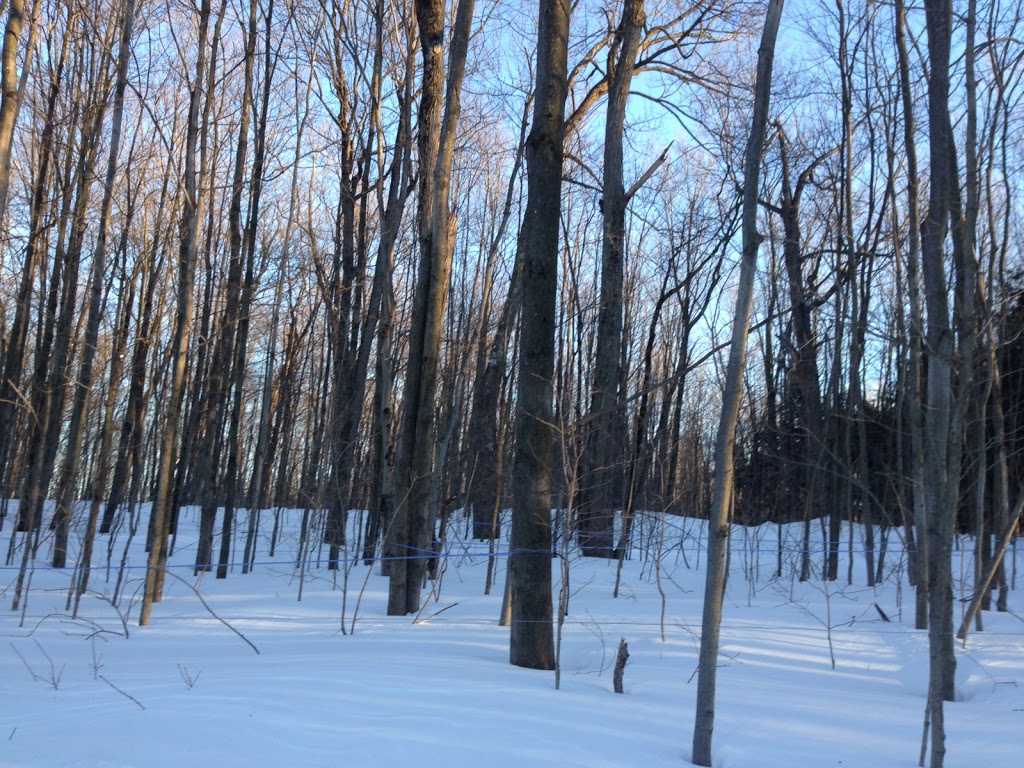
(11, 94)
(718, 523)
(193, 182)
(531, 642)
(484, 420)
(55, 355)
(82, 384)
(806, 387)
(919, 558)
(34, 262)
(940, 484)
(602, 475)
(416, 442)
(132, 425)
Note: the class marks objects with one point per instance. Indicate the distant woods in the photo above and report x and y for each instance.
(266, 255)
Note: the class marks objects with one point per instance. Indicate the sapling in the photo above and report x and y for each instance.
(52, 677)
(97, 660)
(657, 576)
(386, 534)
(188, 677)
(123, 693)
(210, 610)
(570, 463)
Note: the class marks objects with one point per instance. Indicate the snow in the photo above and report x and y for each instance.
(439, 692)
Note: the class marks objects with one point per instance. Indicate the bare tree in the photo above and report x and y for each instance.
(941, 454)
(602, 479)
(718, 518)
(194, 181)
(12, 87)
(83, 381)
(531, 643)
(436, 143)
(915, 341)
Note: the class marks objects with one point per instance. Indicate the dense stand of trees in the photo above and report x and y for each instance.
(261, 255)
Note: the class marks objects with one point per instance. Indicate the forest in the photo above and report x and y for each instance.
(428, 262)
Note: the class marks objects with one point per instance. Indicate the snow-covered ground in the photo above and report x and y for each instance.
(189, 690)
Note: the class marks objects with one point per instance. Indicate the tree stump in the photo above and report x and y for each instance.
(620, 664)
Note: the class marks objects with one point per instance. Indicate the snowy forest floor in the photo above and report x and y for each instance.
(188, 690)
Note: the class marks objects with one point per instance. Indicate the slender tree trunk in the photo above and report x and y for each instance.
(602, 475)
(381, 513)
(484, 430)
(916, 322)
(413, 464)
(940, 486)
(718, 522)
(132, 425)
(83, 383)
(246, 238)
(193, 183)
(267, 448)
(34, 263)
(101, 475)
(635, 467)
(55, 356)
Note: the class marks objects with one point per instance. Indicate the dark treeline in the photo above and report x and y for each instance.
(266, 255)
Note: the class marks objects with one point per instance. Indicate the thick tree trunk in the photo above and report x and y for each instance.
(10, 94)
(531, 643)
(806, 387)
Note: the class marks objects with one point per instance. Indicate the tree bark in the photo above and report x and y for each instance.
(10, 93)
(531, 641)
(413, 464)
(940, 482)
(601, 482)
(193, 184)
(83, 382)
(919, 557)
(718, 522)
